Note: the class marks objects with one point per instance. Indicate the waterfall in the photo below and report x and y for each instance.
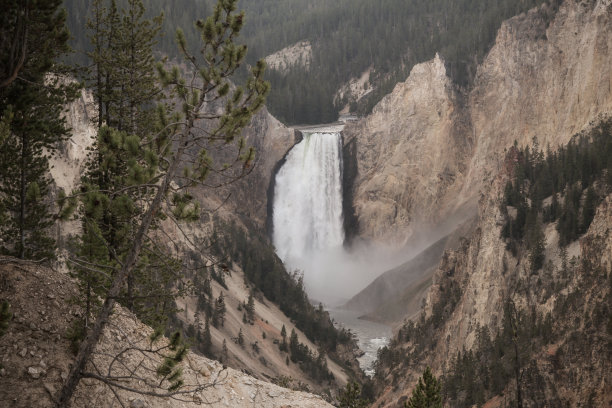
(308, 200)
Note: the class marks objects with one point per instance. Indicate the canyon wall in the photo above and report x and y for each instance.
(428, 148)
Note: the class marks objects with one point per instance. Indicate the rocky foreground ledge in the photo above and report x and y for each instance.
(35, 353)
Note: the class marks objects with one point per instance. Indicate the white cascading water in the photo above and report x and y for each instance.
(308, 200)
(309, 235)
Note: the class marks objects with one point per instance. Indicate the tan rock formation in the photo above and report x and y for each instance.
(299, 54)
(425, 150)
(272, 140)
(409, 154)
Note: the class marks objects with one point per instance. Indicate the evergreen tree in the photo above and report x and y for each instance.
(427, 393)
(294, 346)
(351, 397)
(283, 344)
(34, 101)
(176, 158)
(137, 82)
(240, 338)
(588, 209)
(224, 352)
(122, 78)
(250, 309)
(219, 313)
(537, 244)
(206, 345)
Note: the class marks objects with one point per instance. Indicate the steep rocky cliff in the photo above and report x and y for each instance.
(560, 306)
(428, 148)
(409, 153)
(36, 355)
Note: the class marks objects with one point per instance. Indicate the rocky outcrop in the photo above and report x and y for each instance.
(473, 283)
(427, 149)
(409, 153)
(272, 140)
(299, 54)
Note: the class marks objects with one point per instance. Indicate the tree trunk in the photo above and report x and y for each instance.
(22, 196)
(517, 373)
(87, 347)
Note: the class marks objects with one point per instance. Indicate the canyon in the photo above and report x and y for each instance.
(423, 178)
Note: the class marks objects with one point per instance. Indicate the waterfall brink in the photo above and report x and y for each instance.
(308, 200)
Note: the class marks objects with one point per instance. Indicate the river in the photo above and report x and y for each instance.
(370, 336)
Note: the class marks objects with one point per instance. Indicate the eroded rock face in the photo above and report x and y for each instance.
(299, 54)
(474, 282)
(542, 82)
(272, 140)
(426, 150)
(410, 152)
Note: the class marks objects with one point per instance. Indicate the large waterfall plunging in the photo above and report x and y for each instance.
(308, 199)
(309, 234)
(308, 222)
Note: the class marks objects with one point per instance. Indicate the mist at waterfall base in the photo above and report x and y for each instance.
(308, 236)
(308, 223)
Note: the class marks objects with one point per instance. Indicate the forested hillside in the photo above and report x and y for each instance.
(348, 37)
(556, 289)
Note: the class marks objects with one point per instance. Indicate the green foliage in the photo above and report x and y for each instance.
(122, 72)
(250, 309)
(348, 37)
(113, 196)
(266, 272)
(351, 397)
(580, 169)
(5, 317)
(240, 338)
(133, 171)
(218, 318)
(169, 369)
(427, 393)
(32, 127)
(485, 371)
(205, 343)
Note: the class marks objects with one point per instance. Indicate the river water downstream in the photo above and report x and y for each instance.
(370, 336)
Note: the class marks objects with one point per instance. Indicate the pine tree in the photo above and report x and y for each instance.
(122, 78)
(294, 346)
(283, 344)
(176, 159)
(35, 102)
(250, 309)
(240, 338)
(588, 210)
(206, 345)
(351, 397)
(137, 82)
(536, 242)
(427, 393)
(219, 313)
(224, 352)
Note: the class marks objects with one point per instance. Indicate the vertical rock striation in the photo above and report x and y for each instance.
(428, 148)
